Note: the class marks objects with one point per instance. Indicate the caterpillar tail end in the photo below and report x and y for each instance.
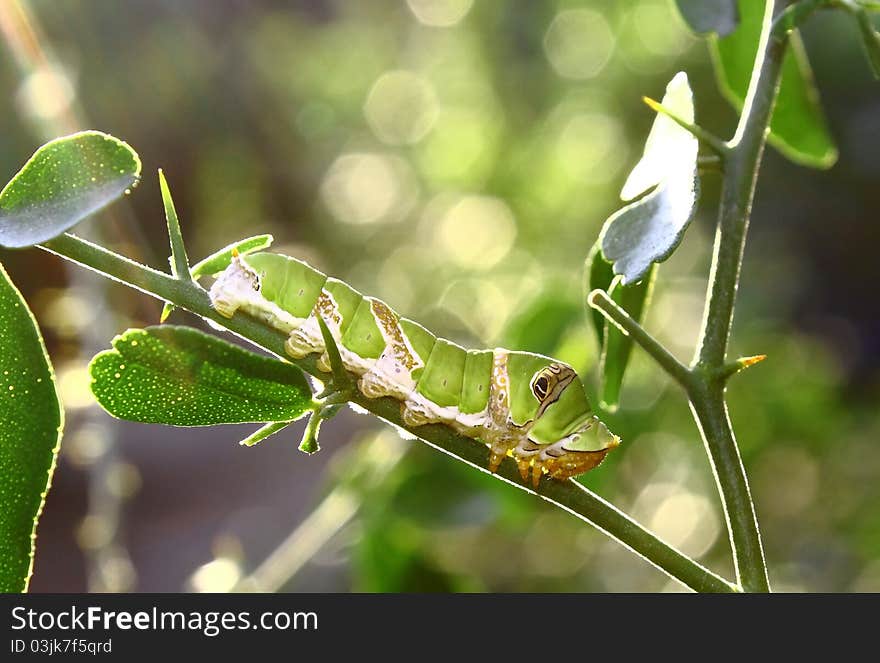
(574, 463)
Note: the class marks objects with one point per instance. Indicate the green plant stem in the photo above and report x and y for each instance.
(741, 171)
(568, 495)
(707, 394)
(710, 412)
(705, 381)
(600, 301)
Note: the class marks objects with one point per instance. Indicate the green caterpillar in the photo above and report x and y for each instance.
(525, 405)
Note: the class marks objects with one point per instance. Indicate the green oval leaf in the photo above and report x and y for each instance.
(705, 16)
(183, 377)
(65, 181)
(649, 230)
(616, 347)
(30, 435)
(798, 128)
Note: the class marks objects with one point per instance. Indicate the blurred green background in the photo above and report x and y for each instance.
(456, 159)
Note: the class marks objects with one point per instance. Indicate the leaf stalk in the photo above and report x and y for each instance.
(710, 140)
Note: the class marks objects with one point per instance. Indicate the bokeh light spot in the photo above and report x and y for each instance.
(786, 481)
(46, 93)
(659, 32)
(67, 312)
(684, 519)
(401, 108)
(440, 13)
(591, 146)
(652, 37)
(94, 532)
(461, 148)
(73, 384)
(123, 480)
(361, 188)
(477, 232)
(219, 575)
(578, 43)
(86, 445)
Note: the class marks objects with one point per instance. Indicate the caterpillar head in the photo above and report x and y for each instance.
(564, 422)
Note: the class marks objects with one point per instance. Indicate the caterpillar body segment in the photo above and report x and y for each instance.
(528, 406)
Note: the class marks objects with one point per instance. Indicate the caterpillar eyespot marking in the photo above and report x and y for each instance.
(540, 388)
(524, 405)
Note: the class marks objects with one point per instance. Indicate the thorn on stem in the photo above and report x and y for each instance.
(745, 362)
(166, 311)
(734, 367)
(179, 261)
(341, 381)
